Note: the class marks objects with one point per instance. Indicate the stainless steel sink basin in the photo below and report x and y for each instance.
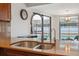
(34, 45)
(28, 44)
(45, 46)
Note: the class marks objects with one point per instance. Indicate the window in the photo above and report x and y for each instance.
(37, 25)
(41, 26)
(46, 27)
(69, 30)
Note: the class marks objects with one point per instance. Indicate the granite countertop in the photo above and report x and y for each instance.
(68, 49)
(4, 41)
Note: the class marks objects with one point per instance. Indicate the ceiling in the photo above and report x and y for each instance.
(55, 8)
(35, 4)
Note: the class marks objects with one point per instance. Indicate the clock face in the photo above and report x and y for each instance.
(23, 14)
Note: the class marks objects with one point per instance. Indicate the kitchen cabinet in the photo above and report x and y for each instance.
(5, 11)
(2, 52)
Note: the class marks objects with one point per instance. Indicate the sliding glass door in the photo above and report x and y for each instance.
(69, 30)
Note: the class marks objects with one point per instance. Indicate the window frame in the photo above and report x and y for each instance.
(41, 15)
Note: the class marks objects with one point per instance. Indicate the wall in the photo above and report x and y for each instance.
(21, 27)
(55, 25)
(18, 26)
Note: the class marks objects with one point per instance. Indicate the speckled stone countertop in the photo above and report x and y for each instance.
(69, 48)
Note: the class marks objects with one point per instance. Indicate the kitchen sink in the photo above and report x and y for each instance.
(28, 44)
(45, 46)
(34, 45)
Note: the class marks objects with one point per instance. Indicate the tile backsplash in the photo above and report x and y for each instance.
(5, 28)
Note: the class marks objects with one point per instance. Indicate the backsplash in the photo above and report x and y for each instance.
(5, 29)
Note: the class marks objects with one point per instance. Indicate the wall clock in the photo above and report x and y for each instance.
(23, 14)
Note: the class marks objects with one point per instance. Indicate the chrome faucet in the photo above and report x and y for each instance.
(54, 36)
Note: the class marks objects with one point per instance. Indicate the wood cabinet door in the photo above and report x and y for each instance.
(1, 11)
(5, 11)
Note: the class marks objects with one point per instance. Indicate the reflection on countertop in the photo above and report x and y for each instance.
(4, 41)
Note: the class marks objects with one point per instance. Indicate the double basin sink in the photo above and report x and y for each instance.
(34, 45)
